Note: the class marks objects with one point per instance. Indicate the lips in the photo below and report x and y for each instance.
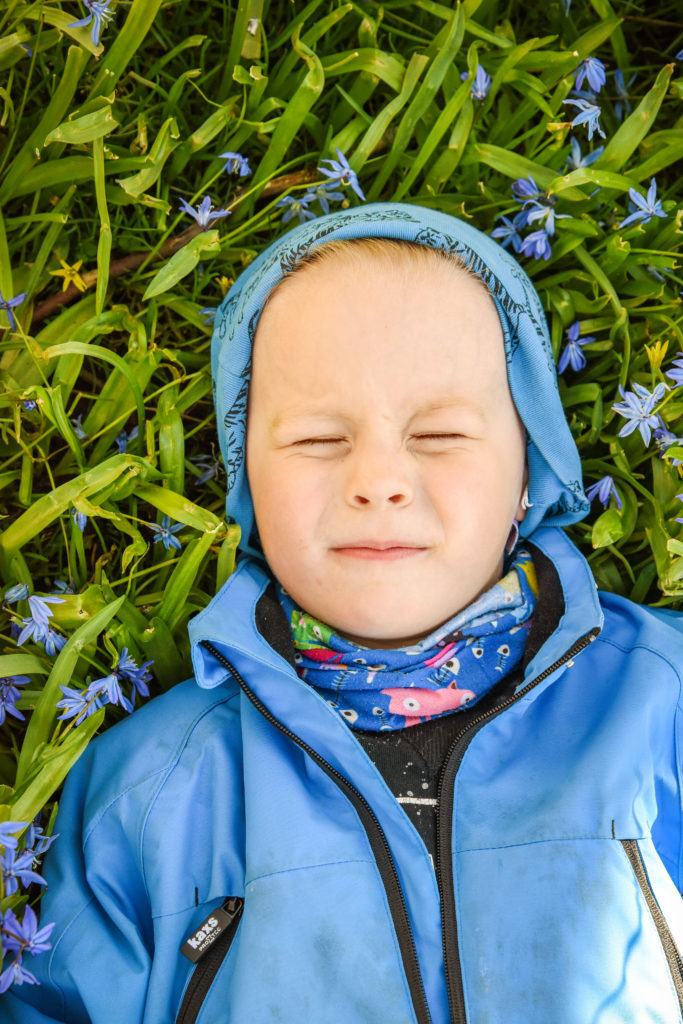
(379, 545)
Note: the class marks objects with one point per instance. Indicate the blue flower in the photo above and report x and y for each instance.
(36, 841)
(9, 304)
(623, 104)
(9, 695)
(17, 870)
(236, 164)
(209, 313)
(99, 14)
(78, 429)
(38, 606)
(24, 936)
(537, 244)
(209, 464)
(61, 587)
(30, 404)
(526, 188)
(593, 70)
(664, 439)
(603, 489)
(339, 170)
(7, 830)
(127, 671)
(165, 533)
(16, 974)
(77, 702)
(298, 207)
(509, 231)
(79, 518)
(576, 160)
(121, 440)
(325, 194)
(543, 212)
(648, 207)
(589, 115)
(204, 214)
(481, 84)
(675, 372)
(108, 690)
(637, 408)
(19, 592)
(572, 355)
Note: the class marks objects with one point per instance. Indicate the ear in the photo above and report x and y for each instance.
(521, 510)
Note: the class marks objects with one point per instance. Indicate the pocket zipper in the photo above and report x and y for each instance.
(673, 957)
(208, 948)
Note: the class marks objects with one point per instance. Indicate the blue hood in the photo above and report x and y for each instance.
(555, 486)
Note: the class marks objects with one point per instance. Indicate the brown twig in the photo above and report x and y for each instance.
(134, 259)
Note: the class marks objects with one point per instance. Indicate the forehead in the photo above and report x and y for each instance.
(374, 327)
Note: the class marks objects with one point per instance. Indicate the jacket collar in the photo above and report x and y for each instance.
(247, 629)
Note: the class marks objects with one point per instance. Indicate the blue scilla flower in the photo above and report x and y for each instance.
(296, 207)
(593, 71)
(603, 490)
(25, 936)
(576, 159)
(122, 438)
(8, 830)
(664, 439)
(165, 533)
(647, 207)
(38, 606)
(30, 404)
(589, 114)
(108, 691)
(9, 695)
(637, 408)
(78, 429)
(210, 465)
(209, 314)
(77, 702)
(99, 14)
(325, 193)
(623, 104)
(526, 188)
(18, 870)
(572, 354)
(204, 213)
(19, 592)
(126, 670)
(537, 244)
(481, 84)
(9, 304)
(79, 518)
(675, 373)
(340, 170)
(508, 232)
(16, 974)
(236, 164)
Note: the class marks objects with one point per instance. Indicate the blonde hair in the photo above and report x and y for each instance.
(396, 251)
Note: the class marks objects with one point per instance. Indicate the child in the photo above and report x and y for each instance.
(425, 772)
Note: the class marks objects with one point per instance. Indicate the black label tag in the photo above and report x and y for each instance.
(200, 942)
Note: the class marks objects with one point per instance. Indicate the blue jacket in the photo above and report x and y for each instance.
(555, 898)
(241, 818)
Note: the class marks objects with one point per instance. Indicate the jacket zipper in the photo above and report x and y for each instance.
(378, 844)
(444, 863)
(208, 966)
(665, 937)
(382, 852)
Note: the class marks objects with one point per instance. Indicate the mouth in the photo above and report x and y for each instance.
(385, 551)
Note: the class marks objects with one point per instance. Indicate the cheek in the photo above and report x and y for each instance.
(288, 500)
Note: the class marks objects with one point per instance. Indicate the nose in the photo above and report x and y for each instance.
(378, 475)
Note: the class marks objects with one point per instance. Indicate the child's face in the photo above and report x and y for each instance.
(341, 448)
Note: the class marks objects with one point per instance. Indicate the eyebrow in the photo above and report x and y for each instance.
(436, 405)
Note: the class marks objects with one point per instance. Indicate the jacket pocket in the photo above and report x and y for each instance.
(208, 953)
(671, 952)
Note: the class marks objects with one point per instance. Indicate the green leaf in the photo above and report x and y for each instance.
(607, 528)
(84, 129)
(182, 263)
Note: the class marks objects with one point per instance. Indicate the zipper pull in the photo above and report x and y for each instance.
(200, 942)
